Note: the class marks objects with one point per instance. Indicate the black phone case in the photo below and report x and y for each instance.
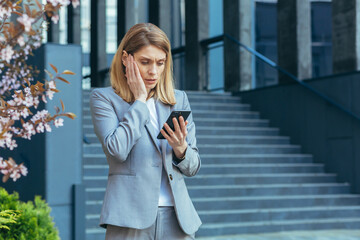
(169, 121)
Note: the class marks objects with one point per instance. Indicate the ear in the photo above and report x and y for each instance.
(124, 58)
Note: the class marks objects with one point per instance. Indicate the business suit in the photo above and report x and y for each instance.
(135, 161)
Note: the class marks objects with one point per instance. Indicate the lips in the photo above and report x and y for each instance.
(151, 81)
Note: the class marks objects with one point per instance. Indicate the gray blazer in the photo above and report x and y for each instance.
(135, 161)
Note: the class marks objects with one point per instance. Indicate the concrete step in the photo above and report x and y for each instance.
(268, 189)
(223, 148)
(260, 215)
(196, 93)
(233, 179)
(260, 168)
(229, 139)
(259, 202)
(193, 99)
(213, 122)
(95, 233)
(242, 179)
(249, 190)
(277, 226)
(248, 148)
(278, 214)
(226, 139)
(200, 114)
(200, 130)
(279, 201)
(225, 114)
(99, 158)
(195, 106)
(201, 106)
(222, 122)
(236, 131)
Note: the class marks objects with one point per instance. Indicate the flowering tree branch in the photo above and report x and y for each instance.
(19, 96)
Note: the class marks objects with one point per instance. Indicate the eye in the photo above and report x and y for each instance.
(160, 63)
(144, 62)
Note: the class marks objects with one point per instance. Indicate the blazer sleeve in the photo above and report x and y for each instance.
(191, 163)
(117, 136)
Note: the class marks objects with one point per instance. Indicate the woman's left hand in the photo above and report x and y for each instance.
(177, 138)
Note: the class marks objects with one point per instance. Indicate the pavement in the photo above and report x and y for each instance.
(295, 235)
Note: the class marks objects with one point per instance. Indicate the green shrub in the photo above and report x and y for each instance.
(7, 217)
(33, 221)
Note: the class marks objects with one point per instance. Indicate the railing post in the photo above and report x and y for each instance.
(74, 26)
(98, 41)
(196, 22)
(237, 61)
(345, 36)
(294, 39)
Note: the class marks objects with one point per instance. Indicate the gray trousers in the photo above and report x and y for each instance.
(166, 227)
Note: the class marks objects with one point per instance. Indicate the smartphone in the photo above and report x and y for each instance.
(169, 121)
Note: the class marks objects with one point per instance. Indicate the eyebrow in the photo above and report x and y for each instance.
(162, 59)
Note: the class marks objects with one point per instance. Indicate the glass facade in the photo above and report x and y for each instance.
(265, 37)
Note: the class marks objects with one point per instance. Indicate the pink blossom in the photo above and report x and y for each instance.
(24, 113)
(52, 85)
(44, 98)
(15, 115)
(29, 101)
(23, 170)
(50, 94)
(47, 127)
(7, 53)
(15, 175)
(64, 2)
(27, 90)
(11, 102)
(54, 2)
(21, 41)
(40, 128)
(59, 122)
(4, 13)
(75, 3)
(26, 21)
(3, 164)
(11, 144)
(55, 19)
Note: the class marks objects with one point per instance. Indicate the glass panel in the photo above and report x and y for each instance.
(215, 18)
(179, 70)
(216, 68)
(111, 26)
(63, 25)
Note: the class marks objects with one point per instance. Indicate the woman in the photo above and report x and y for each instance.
(146, 196)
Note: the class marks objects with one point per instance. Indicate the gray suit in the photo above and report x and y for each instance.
(135, 161)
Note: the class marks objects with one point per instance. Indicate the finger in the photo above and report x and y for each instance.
(127, 67)
(166, 136)
(182, 124)
(137, 72)
(176, 125)
(131, 69)
(186, 123)
(168, 129)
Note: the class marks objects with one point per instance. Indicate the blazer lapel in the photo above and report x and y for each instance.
(163, 112)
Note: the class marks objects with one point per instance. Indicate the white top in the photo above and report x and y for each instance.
(165, 197)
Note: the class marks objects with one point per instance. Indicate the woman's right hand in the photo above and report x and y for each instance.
(135, 80)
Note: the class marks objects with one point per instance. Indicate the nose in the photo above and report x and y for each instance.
(152, 69)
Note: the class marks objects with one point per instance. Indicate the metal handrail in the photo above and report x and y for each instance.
(206, 42)
(327, 99)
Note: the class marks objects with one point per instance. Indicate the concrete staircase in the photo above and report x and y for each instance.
(252, 180)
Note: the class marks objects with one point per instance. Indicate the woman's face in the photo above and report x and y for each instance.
(151, 62)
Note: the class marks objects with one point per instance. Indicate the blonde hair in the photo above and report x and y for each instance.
(138, 36)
